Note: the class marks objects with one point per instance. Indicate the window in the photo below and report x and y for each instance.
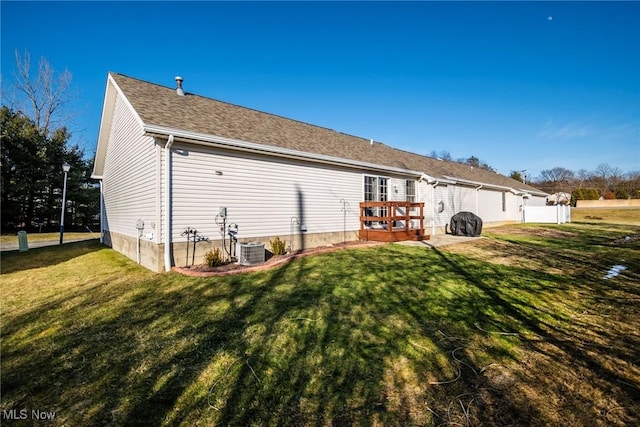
(376, 190)
(504, 201)
(410, 191)
(370, 189)
(382, 189)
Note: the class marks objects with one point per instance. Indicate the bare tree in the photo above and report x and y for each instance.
(442, 155)
(602, 175)
(633, 182)
(557, 174)
(556, 179)
(583, 177)
(46, 93)
(616, 176)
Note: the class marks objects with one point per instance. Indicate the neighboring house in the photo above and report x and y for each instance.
(167, 161)
(560, 198)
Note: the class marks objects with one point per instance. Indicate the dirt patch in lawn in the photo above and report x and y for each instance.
(626, 240)
(271, 261)
(503, 253)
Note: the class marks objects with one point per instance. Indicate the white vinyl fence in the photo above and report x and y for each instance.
(558, 214)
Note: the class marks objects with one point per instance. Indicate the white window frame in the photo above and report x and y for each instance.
(380, 192)
(410, 196)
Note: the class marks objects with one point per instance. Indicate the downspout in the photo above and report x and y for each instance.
(433, 207)
(434, 183)
(477, 203)
(101, 213)
(167, 201)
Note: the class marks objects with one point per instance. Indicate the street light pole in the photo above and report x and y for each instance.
(65, 169)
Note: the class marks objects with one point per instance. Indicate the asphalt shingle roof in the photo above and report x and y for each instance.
(161, 106)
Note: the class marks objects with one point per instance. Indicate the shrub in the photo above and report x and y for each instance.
(277, 246)
(584, 194)
(213, 258)
(622, 194)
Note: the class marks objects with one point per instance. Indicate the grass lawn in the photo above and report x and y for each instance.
(42, 237)
(518, 328)
(606, 215)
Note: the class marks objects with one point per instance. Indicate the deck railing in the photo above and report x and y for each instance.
(392, 221)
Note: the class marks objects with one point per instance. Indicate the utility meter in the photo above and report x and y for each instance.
(222, 211)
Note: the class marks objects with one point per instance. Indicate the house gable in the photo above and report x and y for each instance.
(112, 93)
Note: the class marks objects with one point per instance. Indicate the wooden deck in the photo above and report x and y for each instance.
(394, 221)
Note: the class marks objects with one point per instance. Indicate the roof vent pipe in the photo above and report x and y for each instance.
(179, 90)
(371, 141)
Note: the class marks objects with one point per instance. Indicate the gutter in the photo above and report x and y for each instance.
(235, 144)
(167, 200)
(483, 184)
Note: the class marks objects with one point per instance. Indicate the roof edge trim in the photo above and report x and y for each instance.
(517, 191)
(126, 100)
(112, 93)
(195, 137)
(484, 184)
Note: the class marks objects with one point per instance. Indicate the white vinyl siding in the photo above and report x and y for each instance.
(261, 193)
(443, 206)
(490, 206)
(129, 178)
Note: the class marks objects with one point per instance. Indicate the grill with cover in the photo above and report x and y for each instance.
(465, 224)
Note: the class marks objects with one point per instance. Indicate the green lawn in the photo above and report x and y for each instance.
(42, 237)
(606, 215)
(519, 328)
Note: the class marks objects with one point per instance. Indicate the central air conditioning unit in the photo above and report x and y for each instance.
(251, 253)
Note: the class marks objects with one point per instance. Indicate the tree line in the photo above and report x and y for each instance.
(34, 144)
(605, 181)
(471, 160)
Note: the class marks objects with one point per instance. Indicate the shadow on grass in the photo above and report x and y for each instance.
(356, 337)
(567, 342)
(14, 261)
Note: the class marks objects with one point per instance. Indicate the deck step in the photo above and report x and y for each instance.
(381, 235)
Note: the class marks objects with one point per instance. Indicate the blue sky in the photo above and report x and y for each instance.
(521, 85)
